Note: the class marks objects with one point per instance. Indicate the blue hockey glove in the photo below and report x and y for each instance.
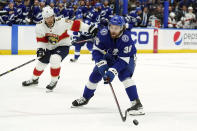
(109, 75)
(75, 36)
(102, 67)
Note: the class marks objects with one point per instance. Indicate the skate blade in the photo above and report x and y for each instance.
(136, 112)
(76, 106)
(34, 85)
(49, 91)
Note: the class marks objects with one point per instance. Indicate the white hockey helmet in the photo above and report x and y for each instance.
(47, 12)
(190, 8)
(172, 14)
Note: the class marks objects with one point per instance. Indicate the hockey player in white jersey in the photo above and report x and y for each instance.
(53, 40)
(189, 18)
(171, 20)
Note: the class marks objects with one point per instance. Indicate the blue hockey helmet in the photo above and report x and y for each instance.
(117, 20)
(11, 1)
(52, 1)
(61, 2)
(98, 5)
(43, 1)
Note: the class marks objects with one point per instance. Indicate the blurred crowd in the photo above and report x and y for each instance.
(141, 13)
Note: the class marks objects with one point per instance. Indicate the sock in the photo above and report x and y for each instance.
(36, 74)
(88, 93)
(132, 92)
(55, 74)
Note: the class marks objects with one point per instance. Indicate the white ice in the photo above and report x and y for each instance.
(167, 86)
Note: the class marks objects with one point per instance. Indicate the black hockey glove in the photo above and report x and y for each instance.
(93, 30)
(40, 52)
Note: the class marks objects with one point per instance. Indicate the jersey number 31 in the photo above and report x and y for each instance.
(127, 49)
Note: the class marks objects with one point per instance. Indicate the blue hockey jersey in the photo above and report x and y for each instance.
(22, 13)
(117, 51)
(9, 18)
(64, 13)
(106, 12)
(36, 14)
(85, 10)
(93, 17)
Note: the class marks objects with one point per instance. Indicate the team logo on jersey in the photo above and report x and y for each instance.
(52, 38)
(125, 38)
(177, 38)
(104, 32)
(115, 52)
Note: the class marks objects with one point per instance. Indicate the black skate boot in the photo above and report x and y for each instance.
(136, 108)
(51, 86)
(80, 102)
(30, 82)
(73, 60)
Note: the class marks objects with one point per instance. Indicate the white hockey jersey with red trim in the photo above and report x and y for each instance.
(59, 34)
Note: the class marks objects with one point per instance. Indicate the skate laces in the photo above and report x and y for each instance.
(53, 83)
(29, 81)
(133, 103)
(81, 100)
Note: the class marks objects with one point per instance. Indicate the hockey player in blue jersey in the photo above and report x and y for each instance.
(114, 54)
(106, 13)
(87, 9)
(21, 13)
(61, 11)
(133, 19)
(10, 16)
(36, 15)
(94, 15)
(74, 11)
(78, 46)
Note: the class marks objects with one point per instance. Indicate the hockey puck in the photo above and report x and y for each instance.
(135, 122)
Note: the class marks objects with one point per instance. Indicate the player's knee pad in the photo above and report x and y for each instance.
(40, 66)
(91, 85)
(128, 82)
(55, 60)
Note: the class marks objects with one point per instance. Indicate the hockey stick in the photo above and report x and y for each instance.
(78, 42)
(117, 103)
(17, 67)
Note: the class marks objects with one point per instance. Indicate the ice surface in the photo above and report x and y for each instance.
(167, 86)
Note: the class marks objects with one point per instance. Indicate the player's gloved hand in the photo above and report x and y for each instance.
(40, 52)
(102, 67)
(75, 36)
(109, 75)
(93, 30)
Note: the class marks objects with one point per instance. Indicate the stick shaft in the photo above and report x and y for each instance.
(84, 41)
(117, 103)
(17, 67)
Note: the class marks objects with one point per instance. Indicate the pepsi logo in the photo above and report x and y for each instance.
(177, 38)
